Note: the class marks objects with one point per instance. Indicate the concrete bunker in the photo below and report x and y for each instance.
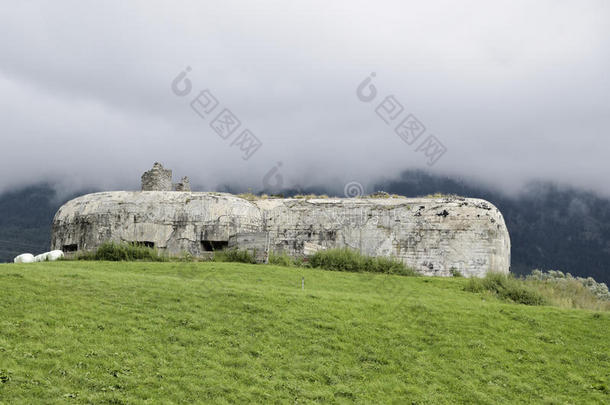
(435, 236)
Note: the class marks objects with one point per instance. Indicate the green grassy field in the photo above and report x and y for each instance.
(128, 333)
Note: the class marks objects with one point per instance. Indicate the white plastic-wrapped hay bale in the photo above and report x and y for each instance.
(41, 257)
(24, 258)
(49, 256)
(54, 255)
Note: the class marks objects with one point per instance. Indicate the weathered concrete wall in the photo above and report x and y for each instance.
(256, 243)
(183, 185)
(157, 179)
(433, 236)
(175, 222)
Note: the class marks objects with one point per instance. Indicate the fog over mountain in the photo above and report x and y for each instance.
(513, 90)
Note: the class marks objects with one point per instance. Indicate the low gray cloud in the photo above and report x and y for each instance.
(514, 90)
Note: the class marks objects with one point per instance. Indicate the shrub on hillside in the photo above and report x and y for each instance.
(354, 261)
(455, 272)
(234, 255)
(116, 252)
(506, 287)
(280, 259)
(567, 291)
(599, 290)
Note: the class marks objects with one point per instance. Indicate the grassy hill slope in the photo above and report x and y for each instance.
(100, 332)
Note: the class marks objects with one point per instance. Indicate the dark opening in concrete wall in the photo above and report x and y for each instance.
(212, 245)
(144, 243)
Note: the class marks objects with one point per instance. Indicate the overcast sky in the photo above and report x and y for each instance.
(513, 90)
